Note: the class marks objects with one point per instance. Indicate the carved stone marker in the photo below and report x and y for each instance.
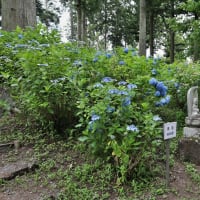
(189, 146)
(193, 119)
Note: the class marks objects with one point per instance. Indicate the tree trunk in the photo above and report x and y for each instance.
(79, 20)
(105, 24)
(151, 33)
(172, 35)
(84, 26)
(72, 22)
(142, 28)
(20, 13)
(196, 46)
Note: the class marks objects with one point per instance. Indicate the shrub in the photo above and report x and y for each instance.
(114, 99)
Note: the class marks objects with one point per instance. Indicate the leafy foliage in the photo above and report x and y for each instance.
(115, 101)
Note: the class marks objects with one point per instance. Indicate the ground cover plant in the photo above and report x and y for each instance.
(114, 102)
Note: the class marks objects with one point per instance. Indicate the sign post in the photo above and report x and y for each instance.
(169, 133)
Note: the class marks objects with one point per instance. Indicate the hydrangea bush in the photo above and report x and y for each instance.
(120, 127)
(115, 100)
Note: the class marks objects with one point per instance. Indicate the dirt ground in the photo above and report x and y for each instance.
(182, 187)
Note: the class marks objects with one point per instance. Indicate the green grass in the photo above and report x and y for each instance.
(67, 168)
(193, 172)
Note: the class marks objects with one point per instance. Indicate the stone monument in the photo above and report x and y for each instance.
(193, 119)
(189, 145)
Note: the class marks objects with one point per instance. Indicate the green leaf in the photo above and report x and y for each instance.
(83, 138)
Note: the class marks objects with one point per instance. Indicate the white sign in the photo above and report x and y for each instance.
(169, 130)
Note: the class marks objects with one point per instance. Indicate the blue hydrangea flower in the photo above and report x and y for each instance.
(77, 63)
(132, 128)
(131, 86)
(95, 59)
(54, 81)
(153, 71)
(122, 92)
(126, 101)
(107, 79)
(154, 61)
(163, 101)
(158, 104)
(20, 46)
(160, 86)
(163, 92)
(95, 117)
(113, 91)
(20, 36)
(98, 85)
(176, 85)
(167, 99)
(153, 81)
(121, 62)
(110, 109)
(157, 93)
(108, 55)
(8, 45)
(90, 125)
(122, 83)
(156, 118)
(125, 50)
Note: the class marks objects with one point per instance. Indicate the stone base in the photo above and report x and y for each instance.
(189, 150)
(191, 132)
(195, 121)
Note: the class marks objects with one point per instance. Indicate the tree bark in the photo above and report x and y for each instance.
(105, 24)
(196, 51)
(172, 35)
(72, 22)
(79, 20)
(142, 28)
(84, 26)
(151, 33)
(20, 13)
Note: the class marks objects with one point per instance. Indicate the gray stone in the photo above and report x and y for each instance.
(12, 170)
(10, 146)
(191, 132)
(193, 118)
(6, 147)
(189, 150)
